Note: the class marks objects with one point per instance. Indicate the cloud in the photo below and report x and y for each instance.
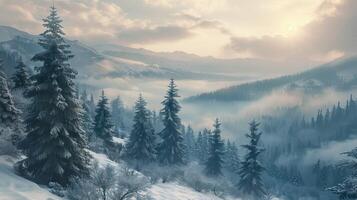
(150, 35)
(106, 21)
(167, 23)
(87, 20)
(23, 12)
(332, 34)
(196, 5)
(330, 153)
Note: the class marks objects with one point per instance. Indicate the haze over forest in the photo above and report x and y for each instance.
(178, 100)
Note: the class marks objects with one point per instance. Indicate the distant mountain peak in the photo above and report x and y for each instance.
(8, 33)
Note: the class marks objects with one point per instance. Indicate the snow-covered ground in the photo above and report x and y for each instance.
(119, 140)
(161, 191)
(174, 191)
(14, 187)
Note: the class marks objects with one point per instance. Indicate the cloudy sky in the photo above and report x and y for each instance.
(284, 30)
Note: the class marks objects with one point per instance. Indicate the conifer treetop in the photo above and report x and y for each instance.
(54, 33)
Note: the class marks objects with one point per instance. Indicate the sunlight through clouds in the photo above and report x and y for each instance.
(274, 29)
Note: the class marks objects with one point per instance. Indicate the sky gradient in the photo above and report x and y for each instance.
(307, 31)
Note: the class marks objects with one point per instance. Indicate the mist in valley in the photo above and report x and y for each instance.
(172, 100)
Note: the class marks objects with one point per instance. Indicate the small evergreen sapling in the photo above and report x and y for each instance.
(21, 77)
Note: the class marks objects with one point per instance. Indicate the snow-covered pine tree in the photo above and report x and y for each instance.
(198, 146)
(55, 144)
(171, 148)
(189, 141)
(117, 108)
(251, 169)
(86, 116)
(9, 114)
(21, 78)
(206, 139)
(216, 152)
(327, 117)
(319, 119)
(156, 121)
(103, 126)
(91, 105)
(142, 140)
(348, 188)
(54, 34)
(232, 161)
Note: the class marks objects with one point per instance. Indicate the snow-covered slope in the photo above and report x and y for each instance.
(14, 187)
(161, 191)
(174, 191)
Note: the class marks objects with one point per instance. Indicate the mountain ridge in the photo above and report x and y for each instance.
(89, 62)
(340, 74)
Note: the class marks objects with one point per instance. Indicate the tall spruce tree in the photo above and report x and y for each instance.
(103, 127)
(142, 141)
(21, 77)
(251, 169)
(54, 34)
(216, 152)
(55, 144)
(171, 149)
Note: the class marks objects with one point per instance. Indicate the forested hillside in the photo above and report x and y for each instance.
(340, 75)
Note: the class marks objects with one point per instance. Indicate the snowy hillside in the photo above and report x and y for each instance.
(174, 191)
(14, 187)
